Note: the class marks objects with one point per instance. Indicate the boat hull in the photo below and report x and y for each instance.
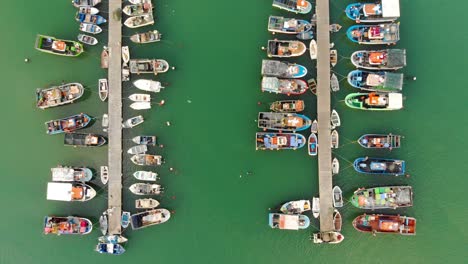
(389, 59)
(381, 34)
(294, 6)
(279, 141)
(380, 141)
(287, 106)
(84, 140)
(67, 124)
(288, 222)
(385, 224)
(150, 218)
(285, 48)
(375, 101)
(52, 45)
(296, 207)
(70, 225)
(283, 122)
(380, 166)
(356, 12)
(387, 197)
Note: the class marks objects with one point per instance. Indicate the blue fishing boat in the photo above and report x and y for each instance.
(283, 121)
(277, 141)
(389, 59)
(125, 220)
(376, 81)
(79, 3)
(380, 166)
(312, 143)
(278, 24)
(67, 124)
(380, 141)
(380, 11)
(91, 19)
(283, 69)
(288, 222)
(295, 6)
(388, 33)
(110, 248)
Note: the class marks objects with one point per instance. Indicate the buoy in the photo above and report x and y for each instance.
(414, 78)
(171, 169)
(263, 48)
(173, 67)
(161, 146)
(259, 103)
(168, 123)
(162, 103)
(26, 60)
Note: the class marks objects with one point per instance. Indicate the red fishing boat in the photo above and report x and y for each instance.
(390, 224)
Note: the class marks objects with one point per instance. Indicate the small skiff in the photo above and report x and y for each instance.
(103, 223)
(125, 220)
(335, 119)
(125, 54)
(139, 21)
(328, 238)
(140, 97)
(139, 149)
(313, 146)
(87, 39)
(104, 58)
(145, 175)
(109, 248)
(90, 28)
(335, 28)
(105, 121)
(86, 9)
(314, 127)
(145, 140)
(334, 139)
(147, 37)
(138, 9)
(147, 203)
(316, 207)
(334, 84)
(104, 174)
(113, 239)
(141, 105)
(312, 86)
(147, 160)
(337, 220)
(145, 189)
(79, 3)
(313, 49)
(132, 122)
(103, 89)
(337, 197)
(333, 57)
(148, 85)
(335, 166)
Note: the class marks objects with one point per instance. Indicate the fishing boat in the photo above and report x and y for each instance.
(296, 207)
(112, 239)
(375, 101)
(387, 197)
(71, 174)
(88, 18)
(312, 143)
(288, 221)
(376, 81)
(79, 3)
(313, 49)
(331, 237)
(125, 219)
(284, 86)
(335, 166)
(136, 2)
(110, 248)
(146, 189)
(139, 149)
(103, 223)
(277, 141)
(334, 84)
(105, 122)
(147, 159)
(337, 220)
(386, 224)
(125, 54)
(138, 9)
(295, 6)
(70, 192)
(389, 59)
(335, 28)
(148, 85)
(140, 97)
(283, 121)
(388, 33)
(337, 197)
(146, 37)
(84, 140)
(90, 28)
(335, 119)
(315, 207)
(67, 124)
(139, 21)
(278, 24)
(307, 35)
(125, 72)
(140, 105)
(52, 45)
(282, 69)
(103, 89)
(334, 139)
(312, 86)
(145, 140)
(285, 48)
(333, 57)
(380, 141)
(375, 12)
(145, 175)
(147, 203)
(148, 66)
(68, 225)
(104, 58)
(104, 174)
(87, 39)
(150, 218)
(133, 122)
(380, 166)
(87, 9)
(287, 106)
(314, 127)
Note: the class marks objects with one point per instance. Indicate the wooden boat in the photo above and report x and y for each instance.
(113, 239)
(154, 66)
(285, 48)
(312, 143)
(139, 21)
(87, 39)
(52, 45)
(141, 105)
(337, 220)
(68, 225)
(380, 141)
(283, 121)
(314, 127)
(335, 119)
(67, 124)
(88, 18)
(282, 69)
(376, 81)
(139, 149)
(80, 3)
(105, 122)
(288, 221)
(375, 12)
(105, 58)
(335, 166)
(316, 207)
(70, 192)
(125, 219)
(333, 57)
(150, 218)
(284, 86)
(335, 28)
(147, 203)
(90, 28)
(380, 166)
(386, 224)
(278, 24)
(287, 106)
(148, 85)
(375, 101)
(140, 97)
(146, 189)
(104, 174)
(71, 174)
(388, 33)
(103, 89)
(334, 139)
(84, 140)
(133, 122)
(125, 73)
(389, 59)
(138, 9)
(313, 49)
(334, 84)
(103, 223)
(147, 160)
(110, 248)
(145, 175)
(278, 141)
(146, 37)
(337, 197)
(86, 9)
(312, 86)
(296, 207)
(295, 6)
(331, 237)
(145, 140)
(387, 197)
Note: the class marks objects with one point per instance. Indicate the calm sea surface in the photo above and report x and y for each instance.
(211, 102)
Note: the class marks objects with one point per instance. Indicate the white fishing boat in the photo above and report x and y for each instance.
(314, 127)
(70, 192)
(333, 57)
(140, 97)
(148, 85)
(334, 84)
(145, 140)
(146, 189)
(147, 203)
(90, 28)
(335, 166)
(316, 207)
(331, 237)
(79, 3)
(334, 139)
(313, 49)
(136, 2)
(125, 54)
(139, 149)
(87, 39)
(89, 10)
(103, 89)
(149, 218)
(112, 239)
(105, 122)
(138, 9)
(103, 223)
(139, 21)
(146, 37)
(145, 175)
(133, 122)
(140, 105)
(104, 174)
(337, 197)
(147, 160)
(335, 119)
(337, 220)
(71, 174)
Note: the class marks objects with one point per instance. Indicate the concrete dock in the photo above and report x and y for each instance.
(115, 117)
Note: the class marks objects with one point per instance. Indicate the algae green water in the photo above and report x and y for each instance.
(211, 102)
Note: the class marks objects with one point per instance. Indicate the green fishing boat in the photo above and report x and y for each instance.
(52, 45)
(375, 101)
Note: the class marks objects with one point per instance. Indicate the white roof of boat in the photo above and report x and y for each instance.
(59, 191)
(391, 8)
(62, 174)
(395, 100)
(290, 222)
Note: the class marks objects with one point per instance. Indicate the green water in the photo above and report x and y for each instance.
(211, 102)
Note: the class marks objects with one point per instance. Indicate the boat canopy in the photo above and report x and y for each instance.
(290, 222)
(390, 8)
(270, 84)
(273, 67)
(59, 191)
(396, 58)
(62, 174)
(393, 80)
(395, 100)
